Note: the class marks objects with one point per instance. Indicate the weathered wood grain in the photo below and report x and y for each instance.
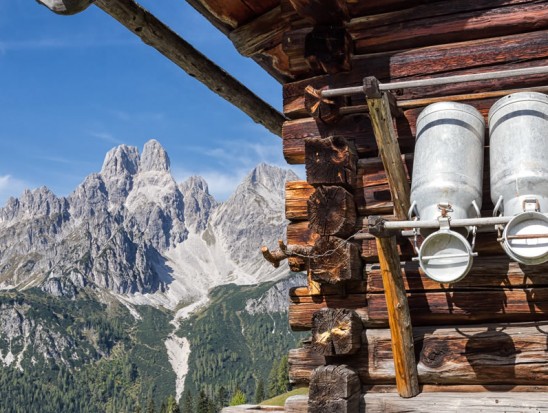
(491, 354)
(484, 55)
(336, 331)
(335, 260)
(330, 161)
(466, 24)
(303, 307)
(334, 389)
(322, 11)
(331, 211)
(497, 272)
(389, 151)
(399, 318)
(467, 306)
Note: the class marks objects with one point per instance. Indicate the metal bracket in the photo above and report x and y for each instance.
(531, 205)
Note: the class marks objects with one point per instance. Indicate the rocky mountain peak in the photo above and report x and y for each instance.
(198, 203)
(121, 160)
(154, 157)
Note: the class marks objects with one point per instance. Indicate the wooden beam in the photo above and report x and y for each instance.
(399, 318)
(488, 355)
(334, 389)
(387, 142)
(156, 34)
(322, 11)
(66, 7)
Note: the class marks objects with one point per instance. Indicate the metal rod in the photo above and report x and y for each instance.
(435, 257)
(467, 222)
(446, 80)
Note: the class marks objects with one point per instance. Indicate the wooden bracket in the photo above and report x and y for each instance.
(284, 252)
(387, 142)
(325, 110)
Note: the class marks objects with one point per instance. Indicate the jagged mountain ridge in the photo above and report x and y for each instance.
(133, 230)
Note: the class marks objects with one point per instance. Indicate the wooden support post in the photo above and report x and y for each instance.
(399, 318)
(387, 142)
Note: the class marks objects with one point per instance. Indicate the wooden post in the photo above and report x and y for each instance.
(399, 318)
(387, 142)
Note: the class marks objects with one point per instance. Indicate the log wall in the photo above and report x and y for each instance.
(467, 334)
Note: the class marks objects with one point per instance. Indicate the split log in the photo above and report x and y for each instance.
(335, 260)
(492, 354)
(334, 389)
(332, 211)
(303, 307)
(66, 7)
(336, 331)
(330, 161)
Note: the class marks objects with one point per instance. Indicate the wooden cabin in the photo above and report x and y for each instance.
(383, 336)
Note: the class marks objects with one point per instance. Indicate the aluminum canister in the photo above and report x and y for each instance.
(518, 127)
(447, 179)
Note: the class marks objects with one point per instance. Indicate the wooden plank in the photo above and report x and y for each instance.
(156, 34)
(465, 306)
(263, 33)
(451, 402)
(490, 354)
(487, 273)
(457, 403)
(297, 194)
(499, 20)
(399, 318)
(322, 11)
(302, 308)
(493, 54)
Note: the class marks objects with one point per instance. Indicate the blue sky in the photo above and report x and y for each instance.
(73, 87)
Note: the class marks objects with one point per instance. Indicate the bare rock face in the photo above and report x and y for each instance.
(132, 229)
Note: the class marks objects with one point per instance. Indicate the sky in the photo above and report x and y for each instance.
(73, 87)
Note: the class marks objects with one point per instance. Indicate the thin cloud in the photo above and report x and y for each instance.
(11, 187)
(105, 136)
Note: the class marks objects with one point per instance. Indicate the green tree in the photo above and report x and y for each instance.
(203, 402)
(150, 406)
(282, 375)
(188, 403)
(222, 397)
(237, 398)
(273, 380)
(259, 391)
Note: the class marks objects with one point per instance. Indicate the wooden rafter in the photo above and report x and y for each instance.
(155, 33)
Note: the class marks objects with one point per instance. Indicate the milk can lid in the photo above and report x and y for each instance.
(525, 238)
(445, 256)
